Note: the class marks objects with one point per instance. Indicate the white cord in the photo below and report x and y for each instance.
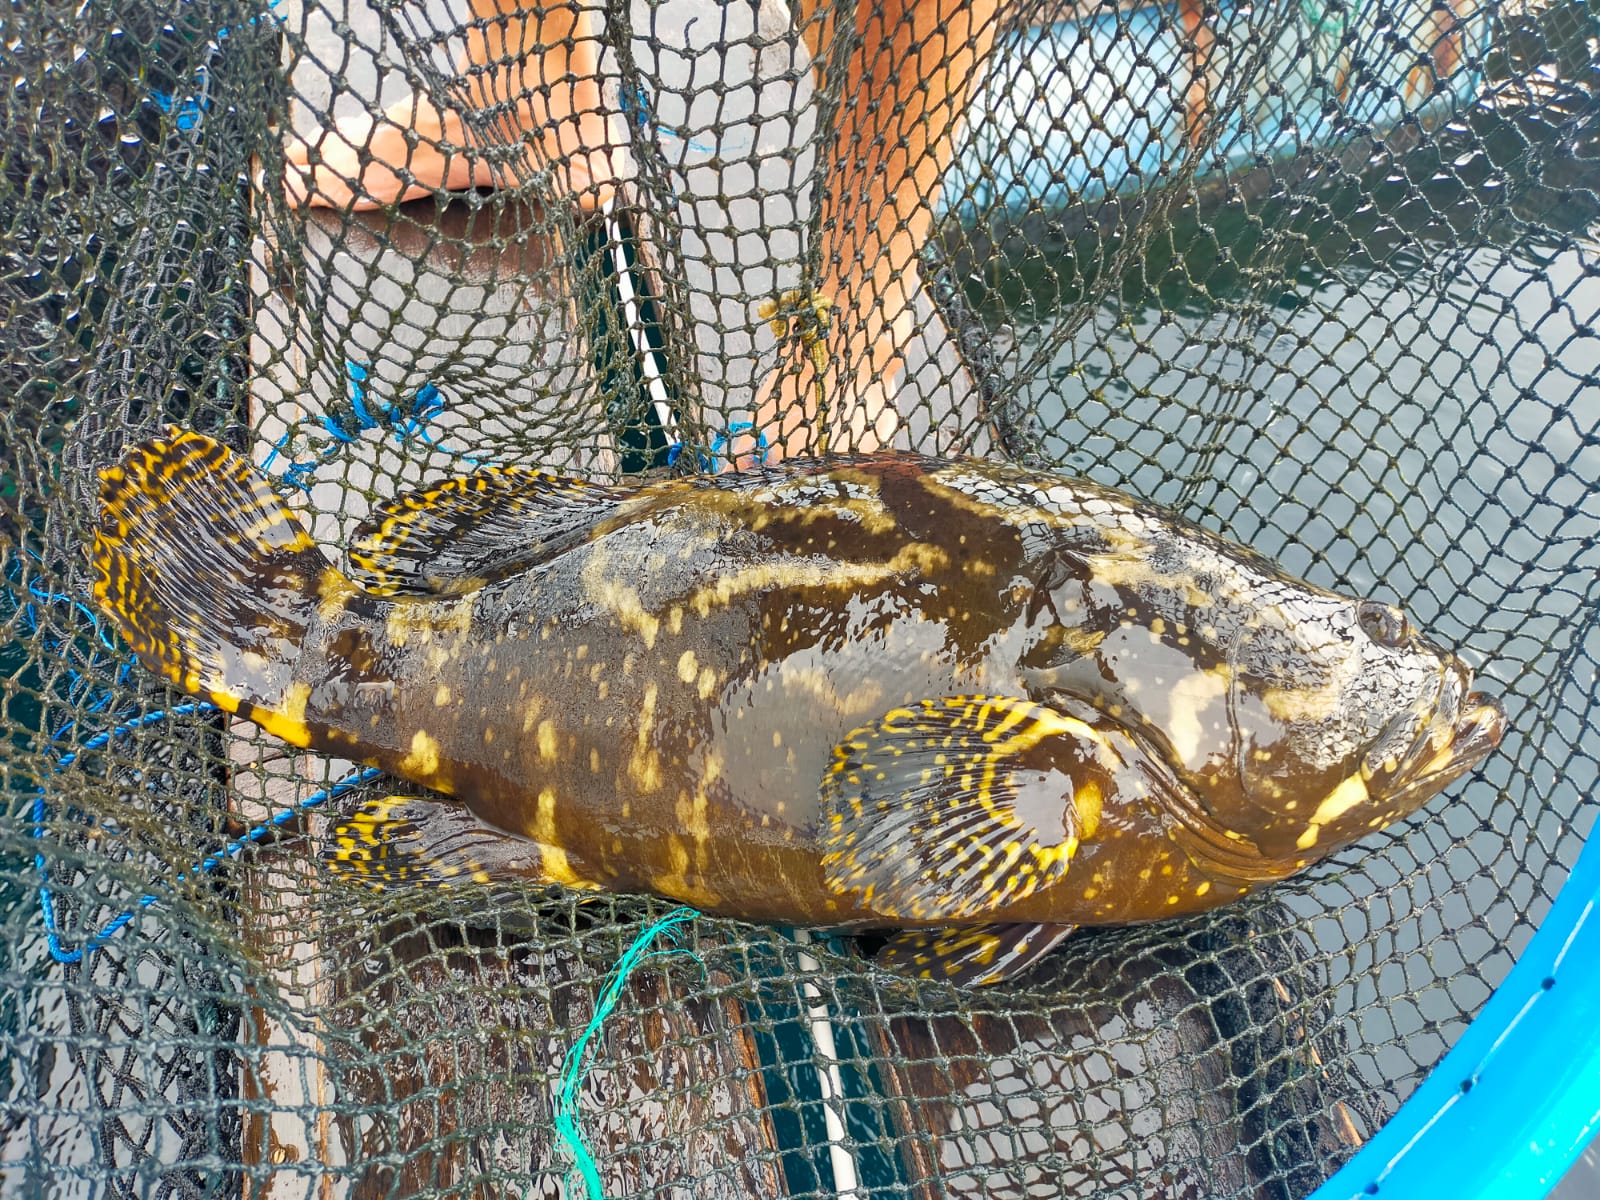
(829, 1081)
(649, 358)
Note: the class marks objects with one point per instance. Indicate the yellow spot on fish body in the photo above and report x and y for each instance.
(1342, 799)
(644, 765)
(620, 600)
(546, 739)
(530, 715)
(288, 722)
(553, 860)
(688, 667)
(334, 590)
(1089, 803)
(1291, 705)
(441, 696)
(1308, 839)
(422, 764)
(707, 683)
(1190, 697)
(914, 557)
(1081, 640)
(676, 882)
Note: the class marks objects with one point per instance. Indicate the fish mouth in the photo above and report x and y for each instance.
(1446, 750)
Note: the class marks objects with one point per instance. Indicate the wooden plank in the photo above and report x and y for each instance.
(1176, 1066)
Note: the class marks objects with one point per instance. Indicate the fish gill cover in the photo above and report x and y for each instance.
(1319, 277)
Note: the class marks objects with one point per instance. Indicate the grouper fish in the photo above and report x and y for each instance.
(975, 705)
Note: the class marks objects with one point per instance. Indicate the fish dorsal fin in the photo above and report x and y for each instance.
(956, 807)
(466, 532)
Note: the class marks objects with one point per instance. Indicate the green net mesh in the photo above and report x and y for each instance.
(1319, 276)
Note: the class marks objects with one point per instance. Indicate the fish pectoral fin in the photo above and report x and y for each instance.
(971, 957)
(466, 532)
(956, 807)
(415, 841)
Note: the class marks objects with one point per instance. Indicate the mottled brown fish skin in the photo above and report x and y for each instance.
(656, 706)
(656, 701)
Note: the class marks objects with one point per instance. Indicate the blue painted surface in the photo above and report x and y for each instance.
(1516, 1101)
(1099, 105)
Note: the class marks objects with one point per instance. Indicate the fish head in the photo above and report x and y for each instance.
(1341, 719)
(1291, 720)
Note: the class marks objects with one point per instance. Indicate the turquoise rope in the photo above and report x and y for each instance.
(573, 1072)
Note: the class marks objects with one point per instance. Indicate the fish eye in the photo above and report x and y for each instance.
(1383, 623)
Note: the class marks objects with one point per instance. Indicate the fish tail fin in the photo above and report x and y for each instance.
(207, 574)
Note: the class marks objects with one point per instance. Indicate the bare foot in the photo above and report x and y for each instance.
(546, 62)
(411, 151)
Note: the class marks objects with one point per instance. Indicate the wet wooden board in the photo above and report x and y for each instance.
(1182, 1071)
(464, 1035)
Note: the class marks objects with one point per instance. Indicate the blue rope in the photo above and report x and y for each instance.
(362, 417)
(638, 106)
(346, 428)
(80, 692)
(712, 463)
(191, 109)
(426, 404)
(205, 866)
(573, 1071)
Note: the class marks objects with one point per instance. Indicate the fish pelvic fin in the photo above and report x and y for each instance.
(399, 841)
(206, 573)
(971, 957)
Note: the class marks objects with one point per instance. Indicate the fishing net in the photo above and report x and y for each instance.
(1319, 276)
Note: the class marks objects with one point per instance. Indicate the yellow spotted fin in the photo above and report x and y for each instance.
(954, 807)
(971, 956)
(423, 841)
(383, 843)
(208, 576)
(464, 533)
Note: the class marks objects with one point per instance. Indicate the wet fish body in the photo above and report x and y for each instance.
(889, 691)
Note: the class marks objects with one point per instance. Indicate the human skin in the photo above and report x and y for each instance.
(903, 84)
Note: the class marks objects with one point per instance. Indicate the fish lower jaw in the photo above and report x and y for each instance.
(1443, 755)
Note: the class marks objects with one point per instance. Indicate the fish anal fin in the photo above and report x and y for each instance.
(974, 956)
(463, 533)
(954, 808)
(417, 841)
